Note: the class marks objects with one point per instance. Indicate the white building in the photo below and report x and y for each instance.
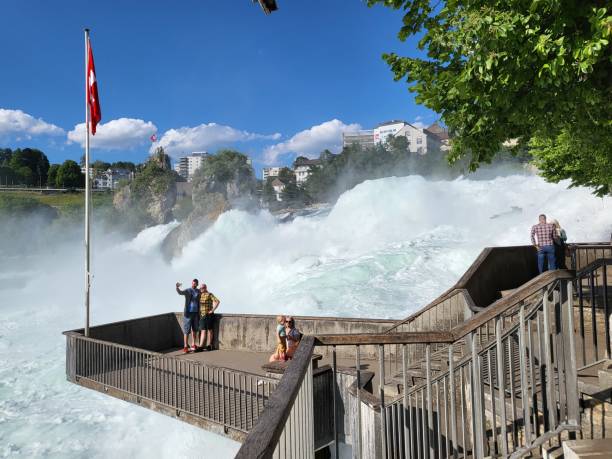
(187, 165)
(303, 168)
(387, 129)
(364, 138)
(110, 178)
(270, 172)
(421, 141)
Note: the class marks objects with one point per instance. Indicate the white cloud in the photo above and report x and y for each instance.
(119, 134)
(419, 122)
(22, 124)
(313, 141)
(204, 137)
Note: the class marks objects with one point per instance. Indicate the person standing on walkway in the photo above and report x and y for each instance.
(208, 304)
(559, 240)
(280, 354)
(191, 314)
(542, 237)
(293, 336)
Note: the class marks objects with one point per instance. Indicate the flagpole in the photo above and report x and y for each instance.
(87, 191)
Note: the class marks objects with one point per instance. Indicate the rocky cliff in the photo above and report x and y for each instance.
(224, 182)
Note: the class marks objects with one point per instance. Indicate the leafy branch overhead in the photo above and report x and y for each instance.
(537, 72)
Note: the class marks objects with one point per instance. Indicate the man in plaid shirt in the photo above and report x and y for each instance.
(542, 237)
(208, 304)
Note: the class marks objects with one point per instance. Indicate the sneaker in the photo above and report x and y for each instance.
(193, 348)
(209, 348)
(185, 350)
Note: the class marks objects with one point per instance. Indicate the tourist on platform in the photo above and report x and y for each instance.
(293, 337)
(559, 240)
(208, 305)
(280, 355)
(542, 237)
(191, 314)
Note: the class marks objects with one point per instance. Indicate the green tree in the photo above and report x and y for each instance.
(536, 71)
(223, 168)
(269, 195)
(30, 166)
(99, 165)
(161, 159)
(155, 178)
(124, 165)
(291, 193)
(5, 156)
(69, 175)
(52, 175)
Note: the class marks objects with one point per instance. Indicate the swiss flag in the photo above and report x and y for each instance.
(92, 92)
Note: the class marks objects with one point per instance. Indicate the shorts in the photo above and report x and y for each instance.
(190, 322)
(207, 322)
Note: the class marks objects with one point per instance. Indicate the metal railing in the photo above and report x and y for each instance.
(593, 301)
(499, 384)
(286, 428)
(450, 309)
(504, 399)
(233, 399)
(465, 403)
(583, 254)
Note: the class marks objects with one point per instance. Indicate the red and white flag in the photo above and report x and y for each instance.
(92, 92)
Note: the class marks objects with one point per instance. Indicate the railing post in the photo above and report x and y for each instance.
(429, 446)
(606, 311)
(334, 385)
(406, 406)
(477, 411)
(502, 385)
(383, 414)
(550, 393)
(357, 441)
(571, 381)
(523, 375)
(453, 415)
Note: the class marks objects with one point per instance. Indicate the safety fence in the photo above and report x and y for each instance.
(233, 399)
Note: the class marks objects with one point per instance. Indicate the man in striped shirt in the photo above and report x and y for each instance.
(542, 237)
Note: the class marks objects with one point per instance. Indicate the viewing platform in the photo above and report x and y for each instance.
(505, 363)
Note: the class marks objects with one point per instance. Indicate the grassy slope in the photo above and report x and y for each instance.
(65, 203)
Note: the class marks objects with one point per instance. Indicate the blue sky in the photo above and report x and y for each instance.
(201, 74)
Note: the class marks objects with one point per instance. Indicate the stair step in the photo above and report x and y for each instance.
(576, 449)
(552, 452)
(605, 377)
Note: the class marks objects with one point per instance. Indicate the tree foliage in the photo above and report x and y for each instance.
(69, 175)
(268, 193)
(226, 167)
(100, 166)
(130, 166)
(341, 172)
(27, 166)
(536, 71)
(155, 178)
(52, 175)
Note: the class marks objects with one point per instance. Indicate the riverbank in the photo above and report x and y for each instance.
(67, 204)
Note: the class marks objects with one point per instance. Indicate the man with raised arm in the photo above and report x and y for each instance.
(191, 314)
(542, 237)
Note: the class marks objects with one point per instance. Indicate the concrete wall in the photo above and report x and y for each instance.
(240, 332)
(497, 269)
(155, 333)
(347, 409)
(257, 333)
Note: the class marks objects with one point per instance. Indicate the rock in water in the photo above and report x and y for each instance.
(225, 181)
